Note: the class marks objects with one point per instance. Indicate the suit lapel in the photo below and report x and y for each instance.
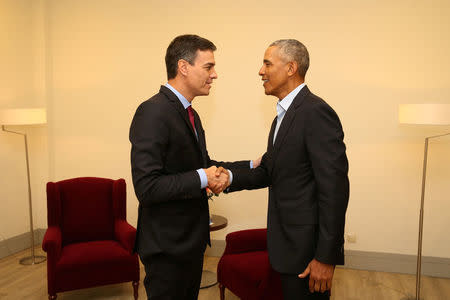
(289, 117)
(271, 133)
(180, 108)
(201, 135)
(284, 127)
(270, 147)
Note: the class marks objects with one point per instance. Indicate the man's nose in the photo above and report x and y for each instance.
(261, 71)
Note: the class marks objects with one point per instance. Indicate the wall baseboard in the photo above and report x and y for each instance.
(20, 242)
(375, 261)
(361, 260)
(397, 263)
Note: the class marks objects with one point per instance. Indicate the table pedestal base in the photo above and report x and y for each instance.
(208, 279)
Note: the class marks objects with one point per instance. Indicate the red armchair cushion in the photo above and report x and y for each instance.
(81, 255)
(87, 210)
(82, 264)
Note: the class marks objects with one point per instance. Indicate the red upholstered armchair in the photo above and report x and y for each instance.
(88, 240)
(244, 267)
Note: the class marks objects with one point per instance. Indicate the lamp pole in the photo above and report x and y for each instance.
(33, 259)
(422, 203)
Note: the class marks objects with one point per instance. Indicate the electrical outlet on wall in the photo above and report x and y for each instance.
(350, 237)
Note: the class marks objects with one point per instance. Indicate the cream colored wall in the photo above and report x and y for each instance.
(22, 61)
(366, 58)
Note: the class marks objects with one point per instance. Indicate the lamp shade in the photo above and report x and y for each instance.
(23, 116)
(424, 114)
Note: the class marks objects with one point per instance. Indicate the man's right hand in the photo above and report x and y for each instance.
(218, 179)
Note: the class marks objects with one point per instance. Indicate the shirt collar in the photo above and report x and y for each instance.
(180, 97)
(284, 103)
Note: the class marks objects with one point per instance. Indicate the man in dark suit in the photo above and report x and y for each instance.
(305, 168)
(171, 169)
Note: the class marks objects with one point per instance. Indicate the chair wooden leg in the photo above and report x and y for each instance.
(52, 297)
(222, 291)
(135, 289)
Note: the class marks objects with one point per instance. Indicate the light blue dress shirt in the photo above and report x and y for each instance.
(182, 99)
(283, 106)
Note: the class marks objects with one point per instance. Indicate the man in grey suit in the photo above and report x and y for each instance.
(305, 168)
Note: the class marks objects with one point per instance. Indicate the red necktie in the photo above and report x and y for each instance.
(191, 116)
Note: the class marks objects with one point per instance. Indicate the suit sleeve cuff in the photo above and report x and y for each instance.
(203, 178)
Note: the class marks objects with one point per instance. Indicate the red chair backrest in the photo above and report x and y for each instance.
(85, 208)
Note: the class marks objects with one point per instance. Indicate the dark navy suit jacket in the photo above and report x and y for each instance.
(173, 215)
(306, 172)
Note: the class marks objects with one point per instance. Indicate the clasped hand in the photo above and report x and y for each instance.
(218, 179)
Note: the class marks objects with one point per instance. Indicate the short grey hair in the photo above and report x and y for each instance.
(293, 50)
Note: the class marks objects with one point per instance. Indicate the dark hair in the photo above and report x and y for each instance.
(185, 47)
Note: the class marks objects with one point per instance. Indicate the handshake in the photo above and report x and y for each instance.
(218, 179)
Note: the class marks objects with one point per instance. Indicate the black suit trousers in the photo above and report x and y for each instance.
(295, 288)
(170, 279)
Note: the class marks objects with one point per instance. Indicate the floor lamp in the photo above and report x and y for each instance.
(25, 117)
(423, 114)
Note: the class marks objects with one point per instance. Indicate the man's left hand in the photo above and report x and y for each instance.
(320, 276)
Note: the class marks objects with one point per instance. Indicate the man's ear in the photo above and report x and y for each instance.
(292, 68)
(182, 67)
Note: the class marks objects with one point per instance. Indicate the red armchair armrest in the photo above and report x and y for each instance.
(52, 242)
(125, 234)
(246, 241)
